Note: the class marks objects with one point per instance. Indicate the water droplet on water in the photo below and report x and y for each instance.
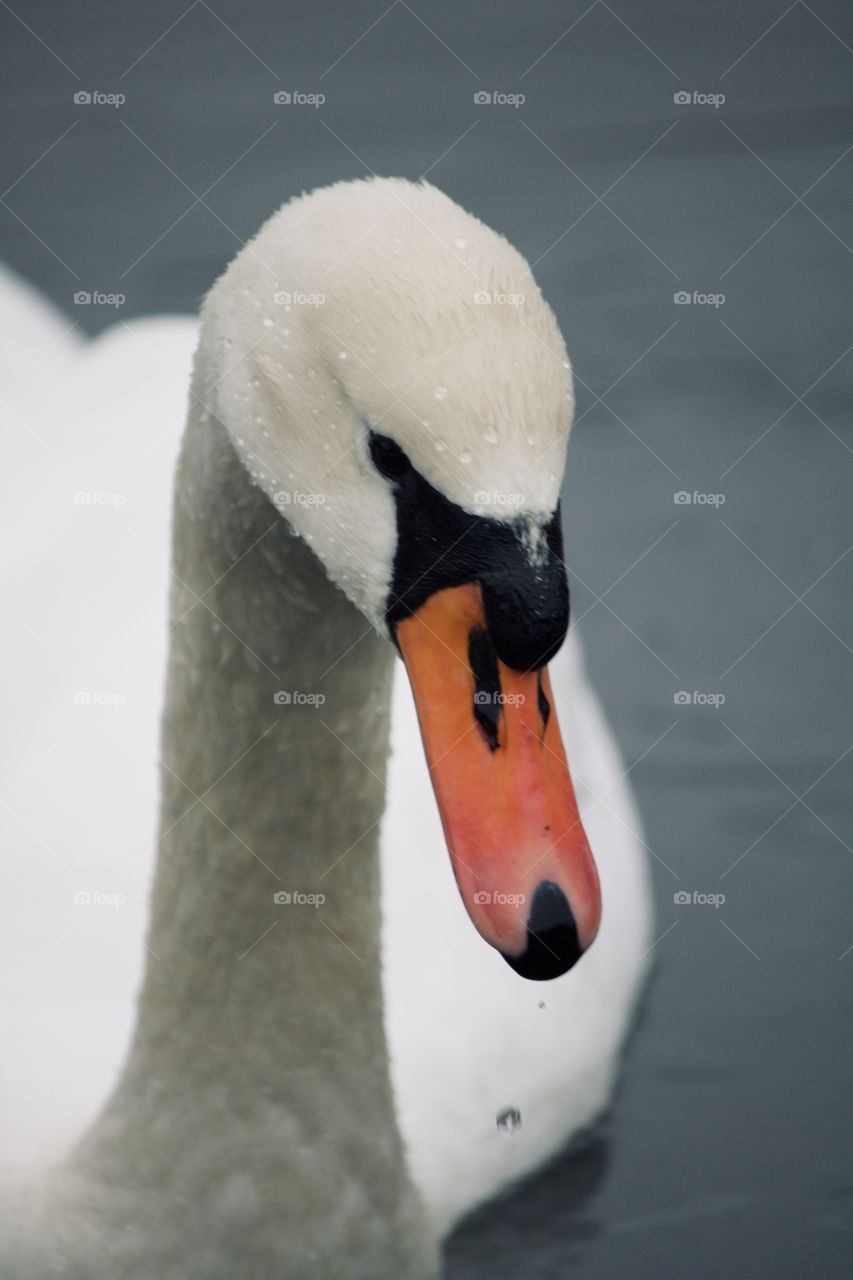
(465, 458)
(459, 243)
(490, 435)
(342, 355)
(439, 446)
(531, 439)
(268, 324)
(542, 1004)
(440, 393)
(509, 1121)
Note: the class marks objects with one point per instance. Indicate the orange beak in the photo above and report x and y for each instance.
(496, 758)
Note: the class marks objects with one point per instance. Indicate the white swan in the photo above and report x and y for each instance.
(252, 1130)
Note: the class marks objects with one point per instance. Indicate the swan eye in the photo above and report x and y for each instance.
(388, 458)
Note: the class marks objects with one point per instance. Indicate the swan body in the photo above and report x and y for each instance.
(461, 1037)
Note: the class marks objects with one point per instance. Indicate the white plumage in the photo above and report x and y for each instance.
(95, 429)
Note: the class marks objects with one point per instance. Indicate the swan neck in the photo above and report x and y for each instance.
(257, 1089)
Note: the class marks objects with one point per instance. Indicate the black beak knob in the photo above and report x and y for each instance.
(527, 606)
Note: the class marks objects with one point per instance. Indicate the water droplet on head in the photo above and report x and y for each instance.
(509, 1120)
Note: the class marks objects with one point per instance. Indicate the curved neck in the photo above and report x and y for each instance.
(257, 1084)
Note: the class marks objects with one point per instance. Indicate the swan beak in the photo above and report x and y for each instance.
(498, 767)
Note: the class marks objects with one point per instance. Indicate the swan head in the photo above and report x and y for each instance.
(390, 374)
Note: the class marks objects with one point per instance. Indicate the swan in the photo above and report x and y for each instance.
(344, 1038)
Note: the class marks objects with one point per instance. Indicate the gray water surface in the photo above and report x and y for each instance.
(728, 1149)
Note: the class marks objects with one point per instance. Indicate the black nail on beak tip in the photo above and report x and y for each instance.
(553, 946)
